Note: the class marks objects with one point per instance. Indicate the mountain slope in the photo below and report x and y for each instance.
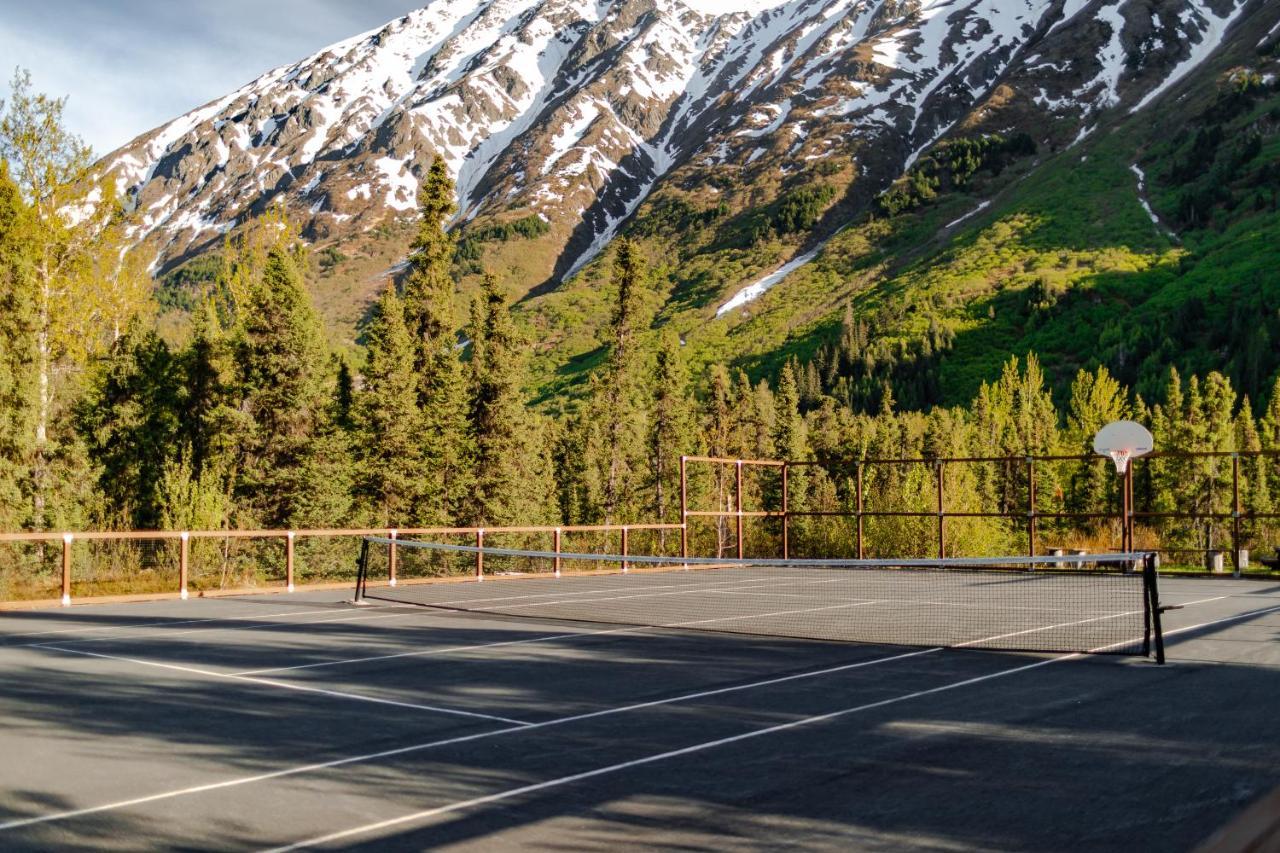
(738, 143)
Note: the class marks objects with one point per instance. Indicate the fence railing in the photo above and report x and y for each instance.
(1030, 514)
(180, 563)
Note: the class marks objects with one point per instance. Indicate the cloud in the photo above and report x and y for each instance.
(130, 65)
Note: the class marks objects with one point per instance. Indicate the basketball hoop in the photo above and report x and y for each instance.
(1121, 458)
(1122, 441)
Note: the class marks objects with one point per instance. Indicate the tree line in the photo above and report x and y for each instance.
(255, 422)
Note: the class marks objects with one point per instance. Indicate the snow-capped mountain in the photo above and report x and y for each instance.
(575, 110)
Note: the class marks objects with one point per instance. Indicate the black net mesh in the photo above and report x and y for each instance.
(1084, 604)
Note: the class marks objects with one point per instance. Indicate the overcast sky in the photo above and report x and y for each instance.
(130, 65)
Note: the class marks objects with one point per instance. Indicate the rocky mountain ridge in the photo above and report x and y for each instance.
(574, 111)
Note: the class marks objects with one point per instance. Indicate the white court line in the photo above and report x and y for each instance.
(358, 697)
(418, 747)
(367, 617)
(448, 650)
(163, 624)
(712, 744)
(678, 588)
(662, 756)
(309, 768)
(546, 638)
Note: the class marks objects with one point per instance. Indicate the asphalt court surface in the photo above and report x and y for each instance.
(273, 720)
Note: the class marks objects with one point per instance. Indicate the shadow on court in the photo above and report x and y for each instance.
(1096, 753)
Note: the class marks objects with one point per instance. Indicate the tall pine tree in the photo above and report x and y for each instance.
(503, 440)
(388, 422)
(432, 321)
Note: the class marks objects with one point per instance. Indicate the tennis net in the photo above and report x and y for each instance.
(1100, 603)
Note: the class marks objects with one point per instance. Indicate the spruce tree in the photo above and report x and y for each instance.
(669, 434)
(281, 359)
(616, 411)
(503, 444)
(432, 322)
(17, 356)
(130, 423)
(387, 421)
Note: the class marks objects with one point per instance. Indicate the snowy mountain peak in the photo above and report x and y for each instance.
(574, 110)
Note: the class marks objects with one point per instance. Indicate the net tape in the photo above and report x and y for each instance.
(1122, 559)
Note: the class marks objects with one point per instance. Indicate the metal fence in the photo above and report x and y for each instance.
(96, 564)
(1134, 521)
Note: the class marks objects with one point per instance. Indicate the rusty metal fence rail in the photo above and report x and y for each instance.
(286, 541)
(1029, 515)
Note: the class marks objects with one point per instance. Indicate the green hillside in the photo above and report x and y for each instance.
(1062, 260)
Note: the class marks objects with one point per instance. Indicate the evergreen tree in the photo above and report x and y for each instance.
(500, 433)
(387, 420)
(616, 411)
(670, 434)
(432, 321)
(17, 356)
(281, 358)
(130, 423)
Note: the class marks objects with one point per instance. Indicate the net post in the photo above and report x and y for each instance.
(625, 546)
(480, 554)
(738, 503)
(1031, 509)
(786, 543)
(392, 556)
(67, 539)
(184, 563)
(1150, 580)
(942, 542)
(288, 561)
(858, 506)
(362, 571)
(684, 509)
(556, 541)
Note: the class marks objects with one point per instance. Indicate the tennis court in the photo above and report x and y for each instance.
(297, 719)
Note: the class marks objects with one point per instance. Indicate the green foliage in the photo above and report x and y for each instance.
(387, 421)
(950, 166)
(499, 428)
(330, 257)
(184, 288)
(432, 322)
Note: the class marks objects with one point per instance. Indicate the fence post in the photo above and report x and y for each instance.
(288, 561)
(1031, 507)
(684, 509)
(1235, 513)
(625, 547)
(480, 554)
(184, 563)
(786, 543)
(392, 557)
(858, 506)
(942, 542)
(556, 540)
(738, 502)
(67, 538)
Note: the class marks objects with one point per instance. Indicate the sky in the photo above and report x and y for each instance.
(128, 66)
